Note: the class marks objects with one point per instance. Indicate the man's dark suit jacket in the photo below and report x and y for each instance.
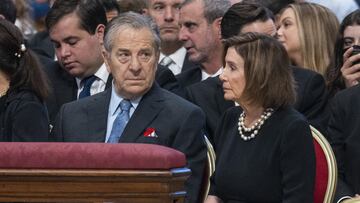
(64, 88)
(344, 137)
(177, 123)
(311, 99)
(190, 76)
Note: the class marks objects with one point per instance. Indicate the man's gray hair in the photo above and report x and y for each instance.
(130, 20)
(213, 9)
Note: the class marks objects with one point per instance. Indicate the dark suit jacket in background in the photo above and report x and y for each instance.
(178, 124)
(311, 99)
(344, 137)
(189, 76)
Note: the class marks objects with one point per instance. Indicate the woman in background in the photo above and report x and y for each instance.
(23, 89)
(308, 32)
(346, 71)
(264, 150)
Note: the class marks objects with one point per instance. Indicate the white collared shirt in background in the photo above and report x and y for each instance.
(178, 57)
(99, 84)
(205, 75)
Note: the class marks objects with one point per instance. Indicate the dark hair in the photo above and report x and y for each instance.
(110, 5)
(19, 63)
(334, 78)
(136, 6)
(8, 10)
(265, 77)
(90, 12)
(241, 14)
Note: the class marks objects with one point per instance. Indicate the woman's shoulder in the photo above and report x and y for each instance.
(22, 96)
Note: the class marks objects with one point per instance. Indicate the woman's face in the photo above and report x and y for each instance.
(233, 76)
(351, 36)
(288, 33)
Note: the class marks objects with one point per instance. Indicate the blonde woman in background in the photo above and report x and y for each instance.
(308, 32)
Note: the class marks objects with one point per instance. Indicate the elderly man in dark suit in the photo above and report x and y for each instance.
(311, 92)
(80, 70)
(136, 109)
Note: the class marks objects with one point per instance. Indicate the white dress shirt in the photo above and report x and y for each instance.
(205, 75)
(178, 58)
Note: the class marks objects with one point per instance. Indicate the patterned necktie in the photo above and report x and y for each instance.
(120, 121)
(86, 82)
(166, 61)
(170, 64)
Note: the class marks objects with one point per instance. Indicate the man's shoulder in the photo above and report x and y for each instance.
(190, 76)
(177, 102)
(209, 83)
(84, 102)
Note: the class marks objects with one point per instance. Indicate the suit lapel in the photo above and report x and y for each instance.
(149, 107)
(109, 82)
(97, 114)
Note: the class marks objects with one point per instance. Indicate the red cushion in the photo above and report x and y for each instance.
(34, 155)
(321, 178)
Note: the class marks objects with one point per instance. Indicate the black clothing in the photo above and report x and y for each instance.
(278, 165)
(24, 118)
(344, 137)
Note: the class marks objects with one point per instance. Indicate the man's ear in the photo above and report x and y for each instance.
(144, 11)
(99, 32)
(106, 57)
(217, 26)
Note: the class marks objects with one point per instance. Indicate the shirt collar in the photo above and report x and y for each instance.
(205, 75)
(101, 74)
(116, 99)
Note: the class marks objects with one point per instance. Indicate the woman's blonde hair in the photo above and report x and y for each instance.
(317, 27)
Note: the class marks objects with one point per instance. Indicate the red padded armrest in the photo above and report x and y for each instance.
(42, 155)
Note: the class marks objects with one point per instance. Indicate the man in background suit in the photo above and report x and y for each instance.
(252, 17)
(165, 13)
(147, 113)
(200, 33)
(77, 37)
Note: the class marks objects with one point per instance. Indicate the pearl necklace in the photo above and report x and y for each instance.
(254, 129)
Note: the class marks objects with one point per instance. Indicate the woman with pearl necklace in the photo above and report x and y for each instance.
(264, 147)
